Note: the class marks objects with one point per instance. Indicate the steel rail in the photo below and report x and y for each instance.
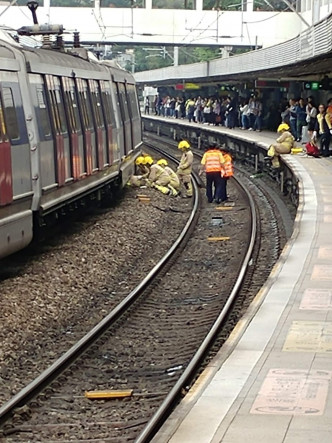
(47, 376)
(158, 418)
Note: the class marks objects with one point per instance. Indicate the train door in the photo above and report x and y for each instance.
(75, 129)
(99, 123)
(118, 119)
(134, 112)
(87, 125)
(109, 117)
(15, 125)
(125, 118)
(6, 180)
(60, 131)
(47, 153)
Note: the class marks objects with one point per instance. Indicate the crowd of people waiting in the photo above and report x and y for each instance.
(248, 114)
(224, 111)
(307, 121)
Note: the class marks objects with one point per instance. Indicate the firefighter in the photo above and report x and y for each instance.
(284, 145)
(158, 178)
(142, 171)
(174, 184)
(212, 162)
(227, 172)
(185, 167)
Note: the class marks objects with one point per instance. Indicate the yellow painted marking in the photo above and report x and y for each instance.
(108, 394)
(218, 238)
(223, 208)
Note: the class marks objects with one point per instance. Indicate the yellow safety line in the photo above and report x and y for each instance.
(218, 238)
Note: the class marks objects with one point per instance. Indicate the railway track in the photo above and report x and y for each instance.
(152, 349)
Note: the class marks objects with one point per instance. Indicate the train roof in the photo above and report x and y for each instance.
(69, 62)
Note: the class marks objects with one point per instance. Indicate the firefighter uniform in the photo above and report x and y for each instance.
(284, 144)
(142, 171)
(212, 162)
(174, 183)
(185, 167)
(158, 178)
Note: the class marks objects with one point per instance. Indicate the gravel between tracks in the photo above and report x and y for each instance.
(65, 289)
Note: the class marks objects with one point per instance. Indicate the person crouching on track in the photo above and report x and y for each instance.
(212, 162)
(284, 144)
(185, 167)
(174, 184)
(158, 178)
(227, 172)
(142, 171)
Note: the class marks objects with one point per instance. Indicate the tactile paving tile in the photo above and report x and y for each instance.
(317, 299)
(322, 272)
(309, 336)
(292, 392)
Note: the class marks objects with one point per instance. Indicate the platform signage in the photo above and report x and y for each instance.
(325, 85)
(191, 86)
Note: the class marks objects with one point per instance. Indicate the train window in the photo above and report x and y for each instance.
(85, 105)
(54, 112)
(74, 102)
(61, 110)
(10, 113)
(70, 102)
(132, 101)
(107, 103)
(96, 103)
(123, 102)
(69, 107)
(43, 116)
(58, 115)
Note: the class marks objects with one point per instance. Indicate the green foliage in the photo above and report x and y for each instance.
(173, 4)
(236, 5)
(154, 57)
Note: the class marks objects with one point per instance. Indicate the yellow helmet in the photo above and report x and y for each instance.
(139, 160)
(283, 127)
(162, 162)
(148, 160)
(183, 145)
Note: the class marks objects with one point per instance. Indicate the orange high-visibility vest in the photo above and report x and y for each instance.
(227, 170)
(213, 160)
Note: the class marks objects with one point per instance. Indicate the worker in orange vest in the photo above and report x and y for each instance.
(212, 162)
(227, 172)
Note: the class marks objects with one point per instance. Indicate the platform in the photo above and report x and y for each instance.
(271, 381)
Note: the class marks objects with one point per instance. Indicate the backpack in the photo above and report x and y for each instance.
(312, 149)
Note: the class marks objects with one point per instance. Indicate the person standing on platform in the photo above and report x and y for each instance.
(212, 162)
(185, 167)
(323, 129)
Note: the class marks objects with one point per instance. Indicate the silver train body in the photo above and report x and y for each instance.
(68, 126)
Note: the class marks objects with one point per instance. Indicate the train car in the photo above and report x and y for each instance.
(69, 130)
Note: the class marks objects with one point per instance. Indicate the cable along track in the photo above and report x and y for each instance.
(141, 358)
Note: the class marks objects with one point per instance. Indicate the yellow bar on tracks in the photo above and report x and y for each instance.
(108, 394)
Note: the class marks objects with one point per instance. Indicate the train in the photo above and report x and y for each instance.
(70, 130)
